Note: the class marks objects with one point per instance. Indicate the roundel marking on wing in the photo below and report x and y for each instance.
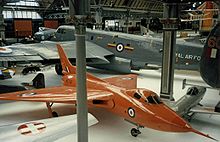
(131, 112)
(120, 47)
(31, 128)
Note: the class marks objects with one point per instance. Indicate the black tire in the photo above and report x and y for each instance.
(25, 71)
(55, 114)
(58, 69)
(134, 132)
(37, 69)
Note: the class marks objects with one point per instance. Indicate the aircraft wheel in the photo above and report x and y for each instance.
(25, 71)
(135, 132)
(58, 69)
(55, 114)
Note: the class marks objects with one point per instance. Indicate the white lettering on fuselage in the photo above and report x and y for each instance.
(188, 56)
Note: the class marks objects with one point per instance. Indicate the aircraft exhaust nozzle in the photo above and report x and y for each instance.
(202, 134)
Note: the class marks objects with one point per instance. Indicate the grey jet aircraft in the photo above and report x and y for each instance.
(114, 51)
(189, 104)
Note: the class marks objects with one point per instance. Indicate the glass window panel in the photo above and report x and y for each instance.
(25, 3)
(29, 14)
(18, 14)
(24, 14)
(137, 96)
(4, 14)
(9, 14)
(35, 15)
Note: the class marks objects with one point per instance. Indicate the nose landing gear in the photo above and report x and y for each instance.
(135, 132)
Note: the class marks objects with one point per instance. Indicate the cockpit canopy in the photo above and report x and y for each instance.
(146, 97)
(192, 91)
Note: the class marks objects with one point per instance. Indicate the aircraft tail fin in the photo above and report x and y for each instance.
(67, 67)
(209, 63)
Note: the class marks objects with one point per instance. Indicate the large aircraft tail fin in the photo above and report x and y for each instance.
(210, 59)
(67, 67)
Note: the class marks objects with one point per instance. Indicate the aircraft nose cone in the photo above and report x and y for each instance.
(171, 121)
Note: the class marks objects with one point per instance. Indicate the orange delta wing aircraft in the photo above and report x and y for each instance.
(118, 95)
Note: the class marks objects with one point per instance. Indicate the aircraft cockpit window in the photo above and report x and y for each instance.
(192, 91)
(61, 31)
(137, 96)
(157, 99)
(153, 100)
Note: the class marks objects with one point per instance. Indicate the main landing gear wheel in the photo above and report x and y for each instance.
(50, 111)
(58, 69)
(55, 114)
(135, 132)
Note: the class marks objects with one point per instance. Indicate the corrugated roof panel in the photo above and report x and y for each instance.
(121, 3)
(133, 3)
(140, 4)
(117, 3)
(136, 4)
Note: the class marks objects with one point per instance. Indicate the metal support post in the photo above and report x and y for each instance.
(169, 42)
(127, 20)
(79, 16)
(98, 18)
(2, 24)
(82, 108)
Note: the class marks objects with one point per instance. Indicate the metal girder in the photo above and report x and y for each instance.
(182, 1)
(140, 3)
(136, 4)
(54, 6)
(121, 2)
(117, 2)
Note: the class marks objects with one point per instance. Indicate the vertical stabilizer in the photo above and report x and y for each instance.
(210, 59)
(68, 68)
